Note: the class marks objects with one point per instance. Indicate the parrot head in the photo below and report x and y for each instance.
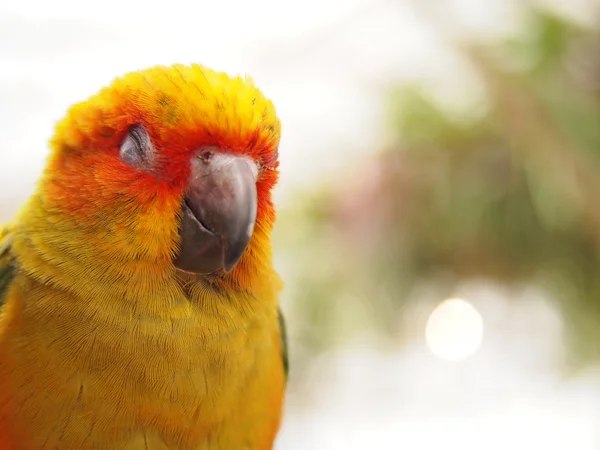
(169, 164)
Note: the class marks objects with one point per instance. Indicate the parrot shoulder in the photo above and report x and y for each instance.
(284, 343)
(6, 261)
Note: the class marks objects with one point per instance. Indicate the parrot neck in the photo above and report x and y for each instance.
(59, 251)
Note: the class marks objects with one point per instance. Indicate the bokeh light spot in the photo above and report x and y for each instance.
(454, 330)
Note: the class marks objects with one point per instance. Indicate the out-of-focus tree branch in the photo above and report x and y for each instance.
(535, 137)
(526, 124)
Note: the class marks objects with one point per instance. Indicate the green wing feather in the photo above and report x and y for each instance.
(6, 262)
(284, 343)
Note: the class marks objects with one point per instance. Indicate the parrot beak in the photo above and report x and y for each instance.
(218, 212)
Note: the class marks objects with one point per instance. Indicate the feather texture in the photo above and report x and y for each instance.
(103, 343)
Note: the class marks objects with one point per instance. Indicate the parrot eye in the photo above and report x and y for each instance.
(270, 162)
(137, 148)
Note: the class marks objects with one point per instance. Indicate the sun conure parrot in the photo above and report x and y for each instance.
(139, 299)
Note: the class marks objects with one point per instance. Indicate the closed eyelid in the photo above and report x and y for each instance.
(137, 148)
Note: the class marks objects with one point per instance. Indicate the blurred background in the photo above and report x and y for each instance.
(439, 204)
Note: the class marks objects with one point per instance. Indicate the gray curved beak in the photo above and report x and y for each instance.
(218, 213)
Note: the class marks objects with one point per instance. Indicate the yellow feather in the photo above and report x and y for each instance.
(103, 343)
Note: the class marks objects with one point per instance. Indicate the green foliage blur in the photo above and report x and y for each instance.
(510, 193)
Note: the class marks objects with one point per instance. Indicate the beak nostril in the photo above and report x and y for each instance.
(206, 156)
